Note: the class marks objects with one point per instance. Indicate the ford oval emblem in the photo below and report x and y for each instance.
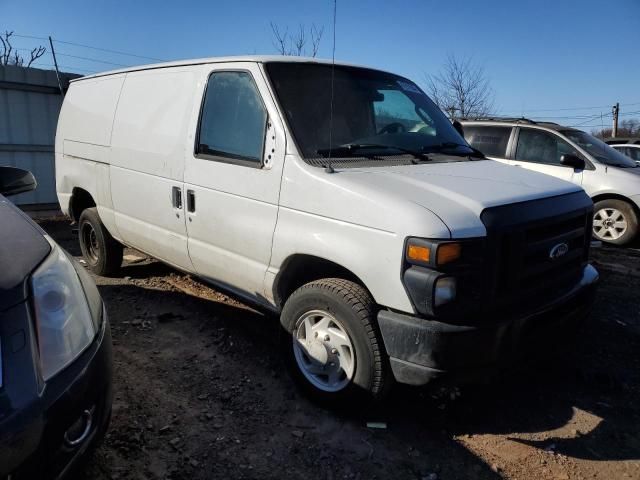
(559, 250)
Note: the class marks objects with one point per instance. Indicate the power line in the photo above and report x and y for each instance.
(564, 109)
(30, 36)
(91, 47)
(91, 59)
(568, 117)
(80, 58)
(40, 64)
(577, 117)
(595, 117)
(110, 51)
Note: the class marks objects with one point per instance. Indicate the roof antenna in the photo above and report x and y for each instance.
(329, 168)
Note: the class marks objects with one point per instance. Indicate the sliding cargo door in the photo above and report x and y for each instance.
(147, 162)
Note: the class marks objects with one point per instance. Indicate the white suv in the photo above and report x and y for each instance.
(339, 197)
(610, 178)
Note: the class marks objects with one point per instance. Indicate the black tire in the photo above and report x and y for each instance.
(353, 307)
(100, 250)
(604, 208)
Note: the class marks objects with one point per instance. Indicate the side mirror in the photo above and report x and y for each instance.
(16, 180)
(572, 161)
(458, 126)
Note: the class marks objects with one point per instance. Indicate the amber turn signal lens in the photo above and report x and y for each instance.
(448, 253)
(418, 253)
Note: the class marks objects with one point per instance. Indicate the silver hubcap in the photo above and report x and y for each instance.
(323, 351)
(609, 224)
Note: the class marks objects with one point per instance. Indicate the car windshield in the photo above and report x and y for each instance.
(374, 113)
(598, 149)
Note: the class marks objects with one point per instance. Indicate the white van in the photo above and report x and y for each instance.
(339, 197)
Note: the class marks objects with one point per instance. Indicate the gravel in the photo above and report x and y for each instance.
(200, 394)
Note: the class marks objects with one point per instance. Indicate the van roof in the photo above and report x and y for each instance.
(201, 61)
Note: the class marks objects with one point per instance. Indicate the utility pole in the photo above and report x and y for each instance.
(55, 63)
(616, 110)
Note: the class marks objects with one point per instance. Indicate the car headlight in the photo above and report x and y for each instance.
(436, 273)
(64, 323)
(444, 291)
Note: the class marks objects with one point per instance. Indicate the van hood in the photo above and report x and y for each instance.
(458, 192)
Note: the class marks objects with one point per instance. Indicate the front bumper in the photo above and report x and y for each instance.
(421, 350)
(38, 426)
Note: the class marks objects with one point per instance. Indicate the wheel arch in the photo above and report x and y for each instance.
(616, 196)
(80, 200)
(299, 269)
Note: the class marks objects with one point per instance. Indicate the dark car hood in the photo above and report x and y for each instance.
(22, 248)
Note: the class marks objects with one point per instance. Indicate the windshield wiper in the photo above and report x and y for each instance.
(352, 149)
(475, 153)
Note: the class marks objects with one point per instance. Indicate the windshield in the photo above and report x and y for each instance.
(373, 112)
(598, 149)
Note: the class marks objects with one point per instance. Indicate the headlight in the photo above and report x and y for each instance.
(445, 291)
(437, 274)
(63, 319)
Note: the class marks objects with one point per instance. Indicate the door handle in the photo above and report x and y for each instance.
(191, 201)
(176, 197)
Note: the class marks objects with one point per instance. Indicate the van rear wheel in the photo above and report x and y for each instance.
(100, 250)
(614, 221)
(331, 342)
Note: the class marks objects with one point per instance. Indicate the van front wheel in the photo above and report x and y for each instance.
(331, 342)
(100, 250)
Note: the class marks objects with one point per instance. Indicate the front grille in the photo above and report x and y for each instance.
(530, 271)
(521, 238)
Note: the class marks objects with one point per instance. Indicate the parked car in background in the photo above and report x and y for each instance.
(631, 150)
(611, 179)
(55, 349)
(368, 224)
(622, 140)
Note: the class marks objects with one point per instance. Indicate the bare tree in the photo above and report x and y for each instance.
(316, 36)
(628, 128)
(10, 56)
(461, 89)
(296, 44)
(299, 41)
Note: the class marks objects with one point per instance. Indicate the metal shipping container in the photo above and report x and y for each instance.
(30, 102)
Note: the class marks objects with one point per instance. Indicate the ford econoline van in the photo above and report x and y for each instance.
(340, 198)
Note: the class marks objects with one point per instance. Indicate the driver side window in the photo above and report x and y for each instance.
(541, 147)
(396, 113)
(233, 120)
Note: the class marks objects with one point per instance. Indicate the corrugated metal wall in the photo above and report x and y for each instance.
(30, 102)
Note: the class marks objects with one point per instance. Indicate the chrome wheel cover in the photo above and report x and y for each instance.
(609, 224)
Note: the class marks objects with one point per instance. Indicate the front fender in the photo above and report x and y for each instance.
(374, 256)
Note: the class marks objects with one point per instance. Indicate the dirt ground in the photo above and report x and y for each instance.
(200, 393)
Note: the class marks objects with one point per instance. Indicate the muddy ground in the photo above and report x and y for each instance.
(200, 393)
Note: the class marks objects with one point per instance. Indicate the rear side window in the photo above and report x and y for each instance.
(233, 119)
(492, 141)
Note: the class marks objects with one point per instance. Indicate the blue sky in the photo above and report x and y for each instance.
(539, 55)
